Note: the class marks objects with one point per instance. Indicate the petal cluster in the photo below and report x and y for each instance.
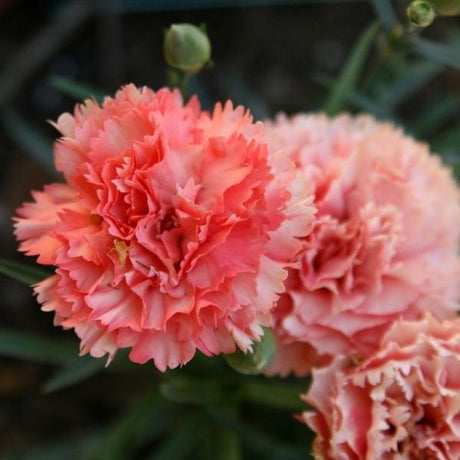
(384, 244)
(166, 234)
(403, 402)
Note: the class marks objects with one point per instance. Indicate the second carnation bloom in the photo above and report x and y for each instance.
(384, 245)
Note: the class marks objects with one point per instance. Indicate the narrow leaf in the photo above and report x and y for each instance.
(81, 369)
(226, 444)
(222, 442)
(21, 272)
(414, 78)
(433, 117)
(257, 440)
(351, 72)
(357, 100)
(59, 449)
(32, 142)
(187, 390)
(385, 13)
(149, 413)
(276, 394)
(74, 89)
(15, 344)
(183, 441)
(442, 53)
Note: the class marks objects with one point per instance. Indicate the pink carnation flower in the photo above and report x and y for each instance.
(401, 403)
(385, 243)
(167, 234)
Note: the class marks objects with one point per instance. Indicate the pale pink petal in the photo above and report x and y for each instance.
(385, 244)
(403, 402)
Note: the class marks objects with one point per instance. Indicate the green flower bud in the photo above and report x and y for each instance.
(446, 7)
(421, 13)
(257, 361)
(186, 48)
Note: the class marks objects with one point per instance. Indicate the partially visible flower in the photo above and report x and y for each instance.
(384, 245)
(401, 403)
(166, 235)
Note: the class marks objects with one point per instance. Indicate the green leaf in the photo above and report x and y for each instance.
(225, 444)
(150, 414)
(357, 100)
(366, 104)
(223, 441)
(21, 272)
(413, 79)
(440, 110)
(184, 440)
(282, 395)
(15, 344)
(447, 54)
(351, 72)
(188, 390)
(266, 446)
(75, 90)
(385, 13)
(385, 69)
(30, 140)
(60, 449)
(81, 369)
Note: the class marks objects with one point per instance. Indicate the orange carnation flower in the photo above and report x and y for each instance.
(172, 232)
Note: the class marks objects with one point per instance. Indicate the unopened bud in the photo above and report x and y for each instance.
(186, 48)
(257, 361)
(446, 7)
(421, 13)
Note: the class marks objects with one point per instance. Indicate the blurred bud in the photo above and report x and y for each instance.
(257, 361)
(186, 48)
(421, 13)
(446, 7)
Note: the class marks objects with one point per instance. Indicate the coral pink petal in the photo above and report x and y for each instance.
(173, 232)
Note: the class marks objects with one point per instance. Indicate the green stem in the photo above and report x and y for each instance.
(178, 79)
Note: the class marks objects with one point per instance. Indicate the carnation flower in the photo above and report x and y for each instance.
(403, 402)
(166, 235)
(384, 245)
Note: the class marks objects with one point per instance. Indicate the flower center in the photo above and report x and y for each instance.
(120, 249)
(168, 222)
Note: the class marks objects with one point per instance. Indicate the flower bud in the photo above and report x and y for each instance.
(421, 13)
(257, 361)
(446, 7)
(186, 48)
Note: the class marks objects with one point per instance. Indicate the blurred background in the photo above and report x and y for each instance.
(270, 56)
